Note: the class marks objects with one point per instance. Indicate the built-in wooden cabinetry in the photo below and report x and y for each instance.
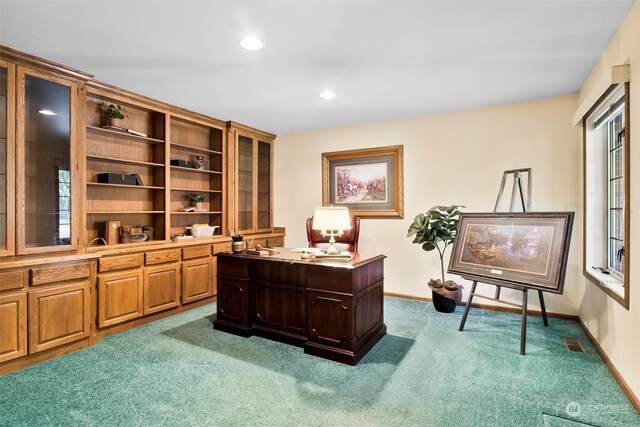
(192, 137)
(120, 153)
(135, 285)
(13, 326)
(61, 289)
(39, 175)
(197, 274)
(58, 315)
(7, 157)
(45, 306)
(253, 198)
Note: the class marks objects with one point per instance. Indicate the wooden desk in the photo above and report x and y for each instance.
(334, 310)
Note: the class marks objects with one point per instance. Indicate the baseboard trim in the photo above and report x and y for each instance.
(616, 374)
(492, 307)
(635, 402)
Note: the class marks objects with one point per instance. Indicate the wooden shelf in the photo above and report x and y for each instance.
(126, 245)
(196, 213)
(140, 187)
(196, 190)
(124, 161)
(196, 149)
(180, 168)
(129, 136)
(123, 212)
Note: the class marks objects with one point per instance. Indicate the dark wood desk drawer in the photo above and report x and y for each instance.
(161, 257)
(196, 252)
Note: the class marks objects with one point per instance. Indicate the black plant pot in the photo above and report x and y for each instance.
(443, 304)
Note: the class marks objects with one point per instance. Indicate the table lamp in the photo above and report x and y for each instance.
(331, 221)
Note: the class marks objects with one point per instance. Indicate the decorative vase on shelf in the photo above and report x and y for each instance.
(198, 206)
(198, 162)
(115, 122)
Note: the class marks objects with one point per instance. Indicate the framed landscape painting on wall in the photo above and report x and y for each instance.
(527, 249)
(367, 181)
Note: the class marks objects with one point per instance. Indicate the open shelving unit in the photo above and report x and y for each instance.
(191, 137)
(110, 151)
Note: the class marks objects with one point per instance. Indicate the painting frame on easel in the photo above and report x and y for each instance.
(519, 250)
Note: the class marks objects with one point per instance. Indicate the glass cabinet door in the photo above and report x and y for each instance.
(245, 183)
(264, 185)
(7, 158)
(46, 136)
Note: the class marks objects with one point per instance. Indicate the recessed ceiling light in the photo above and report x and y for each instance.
(251, 43)
(47, 112)
(327, 94)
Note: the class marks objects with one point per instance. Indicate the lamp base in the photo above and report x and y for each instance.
(332, 250)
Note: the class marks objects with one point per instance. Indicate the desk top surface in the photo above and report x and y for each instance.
(289, 255)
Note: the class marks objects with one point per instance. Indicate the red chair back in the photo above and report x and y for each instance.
(347, 242)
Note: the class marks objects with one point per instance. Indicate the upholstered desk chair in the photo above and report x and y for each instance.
(347, 242)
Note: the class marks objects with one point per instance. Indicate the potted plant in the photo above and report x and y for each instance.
(196, 200)
(115, 114)
(436, 229)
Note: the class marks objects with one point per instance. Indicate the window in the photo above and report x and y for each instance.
(615, 220)
(64, 205)
(606, 184)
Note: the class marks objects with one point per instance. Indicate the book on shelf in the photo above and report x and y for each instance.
(125, 130)
(187, 209)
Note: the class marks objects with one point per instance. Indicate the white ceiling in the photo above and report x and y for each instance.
(383, 59)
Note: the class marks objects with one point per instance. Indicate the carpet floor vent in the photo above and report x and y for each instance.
(573, 344)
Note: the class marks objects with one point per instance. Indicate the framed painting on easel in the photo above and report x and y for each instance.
(522, 250)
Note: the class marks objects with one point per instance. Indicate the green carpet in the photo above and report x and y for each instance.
(179, 371)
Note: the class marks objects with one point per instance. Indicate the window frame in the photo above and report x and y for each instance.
(614, 137)
(589, 272)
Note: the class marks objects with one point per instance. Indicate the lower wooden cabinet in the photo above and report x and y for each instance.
(58, 315)
(120, 297)
(197, 280)
(161, 288)
(13, 326)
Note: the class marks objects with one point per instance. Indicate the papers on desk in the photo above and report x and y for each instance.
(307, 250)
(319, 255)
(341, 255)
(333, 258)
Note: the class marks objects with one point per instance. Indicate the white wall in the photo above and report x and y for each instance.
(452, 158)
(616, 329)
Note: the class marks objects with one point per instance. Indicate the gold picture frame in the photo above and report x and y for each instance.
(367, 181)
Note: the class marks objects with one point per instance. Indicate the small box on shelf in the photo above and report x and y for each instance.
(182, 163)
(117, 178)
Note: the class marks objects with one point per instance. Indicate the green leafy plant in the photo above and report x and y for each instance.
(116, 111)
(196, 197)
(436, 229)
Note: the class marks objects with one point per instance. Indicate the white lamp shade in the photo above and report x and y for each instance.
(331, 218)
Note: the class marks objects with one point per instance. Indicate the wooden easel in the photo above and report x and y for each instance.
(526, 207)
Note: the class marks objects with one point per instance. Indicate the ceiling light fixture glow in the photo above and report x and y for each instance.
(327, 94)
(251, 43)
(47, 112)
